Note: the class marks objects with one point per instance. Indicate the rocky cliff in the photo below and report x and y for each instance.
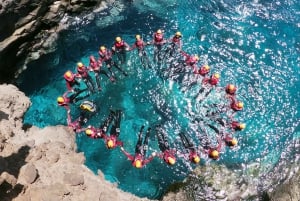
(42, 164)
(29, 27)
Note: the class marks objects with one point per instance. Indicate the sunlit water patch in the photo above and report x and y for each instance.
(254, 45)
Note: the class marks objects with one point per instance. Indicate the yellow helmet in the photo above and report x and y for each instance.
(138, 164)
(240, 104)
(110, 144)
(79, 64)
(242, 126)
(206, 67)
(102, 48)
(68, 74)
(196, 159)
(118, 39)
(215, 154)
(217, 75)
(159, 31)
(234, 141)
(138, 37)
(231, 87)
(171, 160)
(196, 57)
(89, 131)
(178, 33)
(60, 99)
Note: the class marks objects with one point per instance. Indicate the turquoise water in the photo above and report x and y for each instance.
(253, 44)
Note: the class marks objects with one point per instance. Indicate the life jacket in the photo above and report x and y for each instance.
(119, 45)
(213, 80)
(191, 61)
(139, 43)
(158, 37)
(82, 71)
(176, 39)
(203, 71)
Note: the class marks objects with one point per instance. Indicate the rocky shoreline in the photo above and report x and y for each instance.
(42, 164)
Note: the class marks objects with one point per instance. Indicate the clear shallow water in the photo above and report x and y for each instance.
(252, 44)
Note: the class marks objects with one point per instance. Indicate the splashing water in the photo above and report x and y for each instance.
(254, 45)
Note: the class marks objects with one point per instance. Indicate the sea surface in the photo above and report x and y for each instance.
(252, 44)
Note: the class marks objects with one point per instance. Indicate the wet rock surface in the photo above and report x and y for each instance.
(29, 29)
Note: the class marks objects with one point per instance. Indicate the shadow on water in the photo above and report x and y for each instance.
(12, 164)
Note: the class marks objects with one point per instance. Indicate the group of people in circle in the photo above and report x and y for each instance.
(182, 68)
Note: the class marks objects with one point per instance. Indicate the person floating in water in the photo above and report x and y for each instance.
(106, 57)
(238, 126)
(236, 105)
(71, 81)
(87, 109)
(139, 160)
(193, 155)
(158, 42)
(111, 140)
(70, 96)
(208, 84)
(175, 45)
(230, 89)
(119, 48)
(203, 70)
(140, 46)
(95, 66)
(167, 154)
(83, 73)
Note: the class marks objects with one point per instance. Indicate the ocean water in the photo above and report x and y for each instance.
(253, 44)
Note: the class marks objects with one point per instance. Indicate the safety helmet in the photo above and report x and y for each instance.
(80, 64)
(118, 39)
(242, 126)
(68, 74)
(60, 99)
(178, 33)
(171, 160)
(138, 163)
(102, 48)
(231, 87)
(159, 31)
(138, 37)
(217, 75)
(206, 67)
(234, 142)
(214, 154)
(196, 57)
(89, 131)
(196, 159)
(240, 104)
(110, 144)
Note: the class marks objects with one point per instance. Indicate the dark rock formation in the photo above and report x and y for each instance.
(26, 25)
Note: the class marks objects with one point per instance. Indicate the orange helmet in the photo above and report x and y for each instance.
(196, 57)
(242, 126)
(234, 142)
(138, 37)
(110, 144)
(196, 159)
(214, 154)
(69, 75)
(102, 48)
(80, 65)
(206, 67)
(171, 160)
(178, 34)
(159, 31)
(138, 163)
(216, 75)
(240, 105)
(89, 131)
(60, 100)
(118, 39)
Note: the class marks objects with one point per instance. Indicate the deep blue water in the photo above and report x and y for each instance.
(253, 44)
